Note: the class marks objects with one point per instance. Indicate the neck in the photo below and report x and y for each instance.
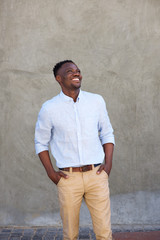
(73, 94)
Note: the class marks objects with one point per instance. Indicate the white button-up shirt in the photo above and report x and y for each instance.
(75, 131)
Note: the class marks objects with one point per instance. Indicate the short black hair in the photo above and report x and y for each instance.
(59, 65)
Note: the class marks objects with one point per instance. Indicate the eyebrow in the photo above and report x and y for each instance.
(72, 69)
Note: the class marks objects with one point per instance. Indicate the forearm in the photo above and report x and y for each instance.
(108, 150)
(52, 174)
(46, 161)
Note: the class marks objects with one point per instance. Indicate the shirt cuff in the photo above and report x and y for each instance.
(105, 140)
(40, 149)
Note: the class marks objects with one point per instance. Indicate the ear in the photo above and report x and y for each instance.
(58, 79)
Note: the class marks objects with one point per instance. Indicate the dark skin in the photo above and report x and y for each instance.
(69, 77)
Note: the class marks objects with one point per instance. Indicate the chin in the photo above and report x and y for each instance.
(77, 86)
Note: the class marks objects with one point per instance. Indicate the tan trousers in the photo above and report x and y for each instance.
(95, 191)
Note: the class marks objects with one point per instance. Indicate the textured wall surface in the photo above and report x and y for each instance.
(116, 44)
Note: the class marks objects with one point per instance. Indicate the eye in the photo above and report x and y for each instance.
(69, 71)
(78, 71)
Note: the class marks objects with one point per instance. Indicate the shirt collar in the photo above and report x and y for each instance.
(69, 99)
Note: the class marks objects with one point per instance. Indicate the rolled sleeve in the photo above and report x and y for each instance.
(42, 131)
(105, 128)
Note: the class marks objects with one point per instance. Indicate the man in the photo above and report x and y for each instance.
(76, 125)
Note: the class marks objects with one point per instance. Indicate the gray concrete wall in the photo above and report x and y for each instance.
(117, 46)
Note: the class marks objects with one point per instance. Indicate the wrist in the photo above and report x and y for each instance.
(52, 175)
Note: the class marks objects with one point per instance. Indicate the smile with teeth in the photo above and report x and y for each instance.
(75, 79)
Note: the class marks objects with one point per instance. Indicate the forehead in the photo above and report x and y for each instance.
(66, 66)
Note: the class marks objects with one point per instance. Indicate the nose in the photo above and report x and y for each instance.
(76, 73)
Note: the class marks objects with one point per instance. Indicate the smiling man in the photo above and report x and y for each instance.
(76, 125)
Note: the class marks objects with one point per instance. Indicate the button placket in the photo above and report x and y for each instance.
(78, 133)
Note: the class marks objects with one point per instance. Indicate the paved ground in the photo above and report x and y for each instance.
(153, 235)
(52, 233)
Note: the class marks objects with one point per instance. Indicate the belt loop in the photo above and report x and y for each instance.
(92, 166)
(70, 169)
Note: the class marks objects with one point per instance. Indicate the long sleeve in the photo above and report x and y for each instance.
(42, 131)
(105, 128)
